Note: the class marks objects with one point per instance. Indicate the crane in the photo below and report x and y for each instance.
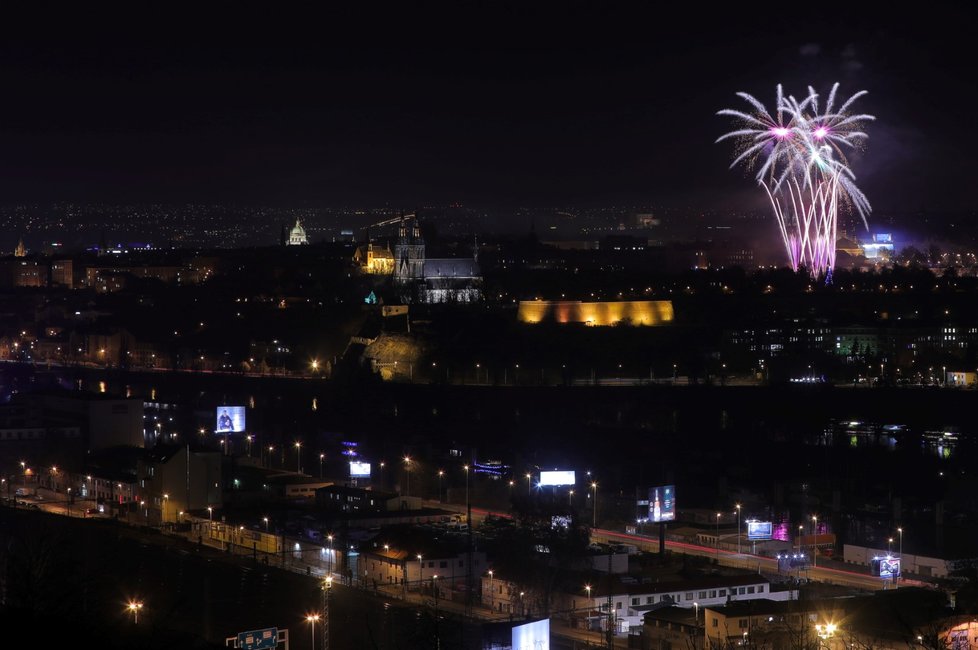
(388, 222)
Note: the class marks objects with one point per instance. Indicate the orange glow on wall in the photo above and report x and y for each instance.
(598, 314)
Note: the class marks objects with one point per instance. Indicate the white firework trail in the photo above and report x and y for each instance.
(799, 153)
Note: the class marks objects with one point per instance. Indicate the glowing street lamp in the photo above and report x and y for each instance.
(492, 604)
(814, 540)
(134, 606)
(166, 498)
(322, 457)
(528, 485)
(594, 504)
(441, 474)
(466, 468)
(265, 519)
(717, 543)
(298, 456)
(900, 530)
(312, 619)
(407, 472)
(738, 528)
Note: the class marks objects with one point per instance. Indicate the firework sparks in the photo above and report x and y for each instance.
(799, 152)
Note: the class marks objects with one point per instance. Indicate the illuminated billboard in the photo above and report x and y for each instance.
(230, 419)
(359, 470)
(886, 567)
(557, 478)
(662, 503)
(532, 636)
(759, 530)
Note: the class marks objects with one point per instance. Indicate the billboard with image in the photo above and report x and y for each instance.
(557, 477)
(759, 530)
(359, 469)
(886, 567)
(532, 636)
(662, 503)
(229, 419)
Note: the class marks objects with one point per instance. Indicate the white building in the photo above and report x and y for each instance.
(297, 237)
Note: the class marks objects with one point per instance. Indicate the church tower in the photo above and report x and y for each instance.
(409, 253)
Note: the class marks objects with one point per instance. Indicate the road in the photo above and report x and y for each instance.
(827, 574)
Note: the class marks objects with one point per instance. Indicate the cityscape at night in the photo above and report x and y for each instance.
(489, 328)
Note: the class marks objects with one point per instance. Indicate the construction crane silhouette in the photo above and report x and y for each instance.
(388, 222)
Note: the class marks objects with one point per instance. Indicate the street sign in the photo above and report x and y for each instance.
(266, 639)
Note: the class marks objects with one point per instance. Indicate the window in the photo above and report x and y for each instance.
(460, 562)
(618, 605)
(713, 593)
(742, 623)
(741, 591)
(443, 564)
(723, 592)
(635, 602)
(716, 622)
(702, 594)
(750, 590)
(650, 600)
(689, 595)
(760, 589)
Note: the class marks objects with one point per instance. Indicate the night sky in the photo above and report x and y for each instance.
(507, 107)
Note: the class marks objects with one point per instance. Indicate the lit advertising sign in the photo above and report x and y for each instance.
(557, 478)
(532, 636)
(230, 419)
(358, 469)
(759, 530)
(662, 503)
(886, 567)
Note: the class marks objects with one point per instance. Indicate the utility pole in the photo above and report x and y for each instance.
(610, 632)
(327, 587)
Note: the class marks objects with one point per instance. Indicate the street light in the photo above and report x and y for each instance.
(298, 456)
(134, 606)
(312, 619)
(594, 505)
(210, 513)
(815, 541)
(265, 519)
(441, 473)
(900, 530)
(420, 573)
(718, 538)
(570, 498)
(738, 528)
(68, 503)
(329, 538)
(407, 471)
(492, 604)
(889, 546)
(322, 457)
(466, 467)
(166, 498)
(528, 486)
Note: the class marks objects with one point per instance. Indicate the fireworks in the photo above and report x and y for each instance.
(799, 152)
